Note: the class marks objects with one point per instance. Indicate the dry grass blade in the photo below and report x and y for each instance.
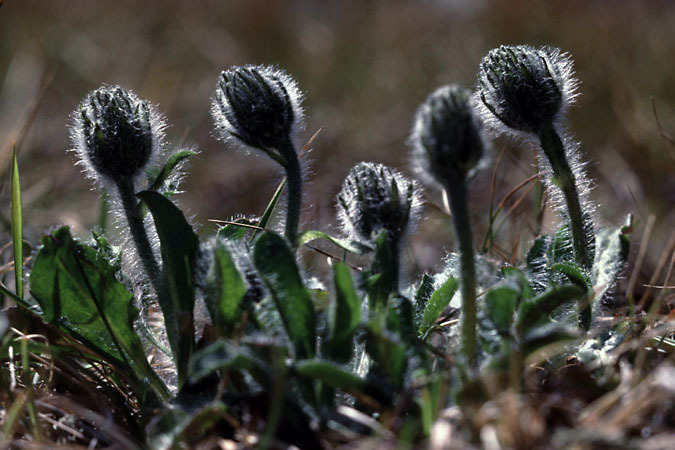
(642, 252)
(663, 260)
(668, 141)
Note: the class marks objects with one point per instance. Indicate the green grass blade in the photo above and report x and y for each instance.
(17, 226)
(4, 290)
(267, 215)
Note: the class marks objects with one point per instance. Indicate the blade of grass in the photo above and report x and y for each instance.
(4, 290)
(12, 419)
(17, 226)
(663, 260)
(644, 244)
(28, 385)
(267, 215)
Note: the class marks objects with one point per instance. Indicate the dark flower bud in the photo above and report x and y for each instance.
(375, 198)
(258, 105)
(525, 88)
(447, 139)
(115, 132)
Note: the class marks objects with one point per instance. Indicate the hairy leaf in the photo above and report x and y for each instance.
(330, 374)
(346, 315)
(276, 263)
(535, 310)
(179, 246)
(224, 290)
(78, 292)
(439, 300)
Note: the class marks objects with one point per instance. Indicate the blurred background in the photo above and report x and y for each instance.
(365, 66)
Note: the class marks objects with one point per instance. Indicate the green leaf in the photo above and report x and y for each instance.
(548, 334)
(222, 355)
(561, 248)
(17, 226)
(224, 290)
(574, 274)
(78, 292)
(439, 300)
(346, 315)
(173, 161)
(400, 318)
(501, 304)
(179, 246)
(585, 305)
(275, 261)
(518, 277)
(537, 253)
(422, 296)
(331, 375)
(351, 246)
(388, 352)
(383, 275)
(535, 310)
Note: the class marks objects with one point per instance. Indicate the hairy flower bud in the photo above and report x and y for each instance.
(446, 138)
(258, 105)
(115, 133)
(525, 88)
(375, 198)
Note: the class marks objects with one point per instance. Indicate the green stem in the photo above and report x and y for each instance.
(387, 265)
(457, 193)
(564, 179)
(294, 180)
(126, 190)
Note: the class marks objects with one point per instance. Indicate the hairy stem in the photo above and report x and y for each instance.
(459, 208)
(563, 177)
(565, 180)
(294, 180)
(139, 235)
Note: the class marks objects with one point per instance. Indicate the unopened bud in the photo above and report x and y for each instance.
(447, 139)
(116, 133)
(526, 88)
(375, 198)
(258, 105)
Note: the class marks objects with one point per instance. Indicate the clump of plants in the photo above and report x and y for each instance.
(286, 357)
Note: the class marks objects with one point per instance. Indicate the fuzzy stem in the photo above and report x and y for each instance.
(294, 179)
(457, 193)
(387, 265)
(125, 187)
(564, 179)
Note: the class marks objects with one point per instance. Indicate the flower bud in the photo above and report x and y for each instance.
(525, 88)
(375, 198)
(447, 139)
(115, 133)
(258, 105)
